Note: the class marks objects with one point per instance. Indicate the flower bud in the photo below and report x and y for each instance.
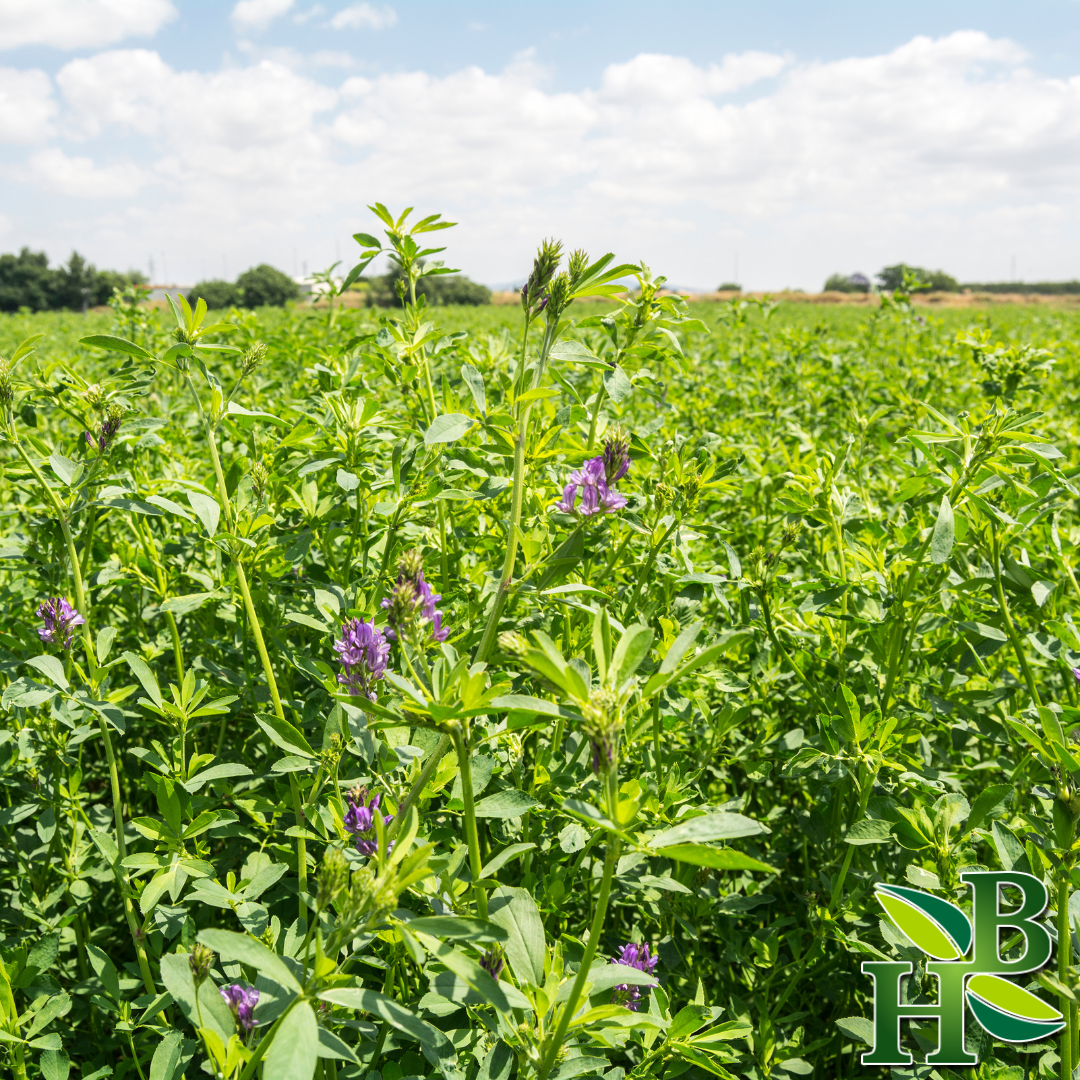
(333, 877)
(260, 477)
(201, 960)
(253, 358)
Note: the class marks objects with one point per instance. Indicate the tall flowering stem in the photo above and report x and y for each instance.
(610, 776)
(82, 607)
(210, 427)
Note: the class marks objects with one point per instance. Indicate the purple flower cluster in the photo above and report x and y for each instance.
(360, 820)
(492, 961)
(242, 1000)
(635, 956)
(60, 620)
(109, 427)
(412, 598)
(595, 479)
(363, 652)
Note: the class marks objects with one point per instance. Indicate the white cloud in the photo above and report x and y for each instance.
(80, 24)
(80, 177)
(26, 106)
(361, 16)
(257, 15)
(943, 151)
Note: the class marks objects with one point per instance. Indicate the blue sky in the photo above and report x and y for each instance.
(793, 139)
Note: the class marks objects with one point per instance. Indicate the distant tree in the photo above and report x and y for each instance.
(453, 289)
(216, 293)
(26, 281)
(263, 286)
(729, 286)
(892, 277)
(849, 283)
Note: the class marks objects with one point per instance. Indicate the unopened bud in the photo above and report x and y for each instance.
(253, 358)
(201, 960)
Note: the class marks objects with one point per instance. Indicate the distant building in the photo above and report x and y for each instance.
(159, 292)
(859, 281)
(310, 287)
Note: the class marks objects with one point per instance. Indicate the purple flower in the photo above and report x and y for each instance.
(360, 820)
(60, 620)
(363, 652)
(109, 427)
(412, 598)
(1076, 672)
(242, 1000)
(492, 962)
(596, 495)
(635, 956)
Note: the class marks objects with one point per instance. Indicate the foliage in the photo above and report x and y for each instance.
(215, 293)
(892, 277)
(850, 283)
(27, 282)
(263, 286)
(1029, 288)
(825, 641)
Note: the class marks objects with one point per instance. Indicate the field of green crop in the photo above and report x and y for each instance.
(537, 692)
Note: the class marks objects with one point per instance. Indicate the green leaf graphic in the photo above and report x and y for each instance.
(1009, 1012)
(934, 925)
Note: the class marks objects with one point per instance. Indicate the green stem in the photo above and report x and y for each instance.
(838, 885)
(595, 930)
(1064, 942)
(600, 395)
(461, 745)
(430, 766)
(649, 564)
(769, 629)
(1010, 628)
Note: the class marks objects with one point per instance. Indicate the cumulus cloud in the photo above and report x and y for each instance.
(918, 152)
(364, 16)
(80, 24)
(79, 176)
(26, 106)
(257, 15)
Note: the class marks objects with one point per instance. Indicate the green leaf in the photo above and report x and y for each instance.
(448, 428)
(936, 926)
(717, 826)
(167, 1056)
(239, 411)
(294, 1051)
(283, 734)
(573, 352)
(475, 382)
(497, 862)
(941, 543)
(617, 383)
(55, 1064)
(232, 946)
(116, 344)
(183, 605)
(858, 1028)
(142, 672)
(632, 649)
(433, 1043)
(215, 772)
(717, 858)
(503, 996)
(509, 803)
(991, 803)
(869, 831)
(206, 510)
(516, 912)
(51, 668)
(458, 927)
